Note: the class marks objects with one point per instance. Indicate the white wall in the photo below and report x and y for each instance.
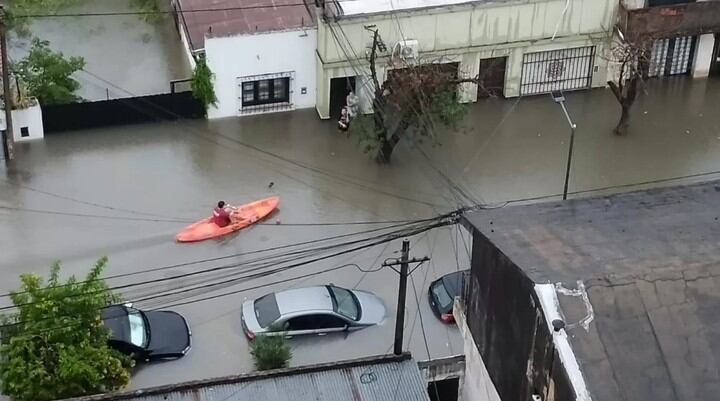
(467, 34)
(233, 57)
(477, 384)
(30, 117)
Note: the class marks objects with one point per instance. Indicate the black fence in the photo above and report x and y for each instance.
(134, 110)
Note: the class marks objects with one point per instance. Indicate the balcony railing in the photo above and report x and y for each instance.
(668, 21)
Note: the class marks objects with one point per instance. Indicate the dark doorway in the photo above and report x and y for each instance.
(492, 77)
(339, 89)
(715, 62)
(444, 390)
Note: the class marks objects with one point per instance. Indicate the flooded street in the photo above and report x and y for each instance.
(124, 55)
(77, 196)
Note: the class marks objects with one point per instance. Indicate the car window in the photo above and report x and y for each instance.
(344, 302)
(138, 330)
(442, 295)
(309, 322)
(315, 322)
(266, 310)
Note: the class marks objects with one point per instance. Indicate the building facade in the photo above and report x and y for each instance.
(685, 34)
(515, 47)
(262, 56)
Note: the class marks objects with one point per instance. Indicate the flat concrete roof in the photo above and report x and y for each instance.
(241, 17)
(642, 269)
(360, 7)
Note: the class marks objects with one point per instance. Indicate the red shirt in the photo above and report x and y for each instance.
(221, 217)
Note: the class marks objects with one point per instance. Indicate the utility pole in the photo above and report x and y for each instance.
(559, 98)
(404, 263)
(9, 140)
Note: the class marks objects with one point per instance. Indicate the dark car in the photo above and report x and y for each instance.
(442, 293)
(147, 336)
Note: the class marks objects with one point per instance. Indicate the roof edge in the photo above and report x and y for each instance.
(185, 386)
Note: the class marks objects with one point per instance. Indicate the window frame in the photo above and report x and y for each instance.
(271, 93)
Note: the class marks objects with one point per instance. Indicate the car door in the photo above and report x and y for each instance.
(314, 324)
(329, 324)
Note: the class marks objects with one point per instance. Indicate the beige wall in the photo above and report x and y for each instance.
(467, 34)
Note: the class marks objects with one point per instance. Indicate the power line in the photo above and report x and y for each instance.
(218, 258)
(320, 224)
(188, 11)
(338, 177)
(267, 273)
(291, 255)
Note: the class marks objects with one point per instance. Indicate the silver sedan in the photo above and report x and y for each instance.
(311, 310)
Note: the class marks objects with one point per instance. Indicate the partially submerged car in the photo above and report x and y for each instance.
(442, 293)
(311, 310)
(147, 336)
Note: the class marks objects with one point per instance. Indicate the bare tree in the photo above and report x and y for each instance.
(633, 58)
(408, 102)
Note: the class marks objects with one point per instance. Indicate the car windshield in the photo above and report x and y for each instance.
(266, 310)
(344, 302)
(442, 295)
(138, 328)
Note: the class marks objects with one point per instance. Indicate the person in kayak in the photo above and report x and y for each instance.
(222, 214)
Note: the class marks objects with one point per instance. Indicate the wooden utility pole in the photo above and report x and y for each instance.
(404, 263)
(9, 140)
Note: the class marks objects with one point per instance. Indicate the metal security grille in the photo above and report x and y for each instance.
(265, 93)
(564, 69)
(671, 56)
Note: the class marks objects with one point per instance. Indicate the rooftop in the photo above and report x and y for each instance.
(638, 281)
(382, 378)
(241, 17)
(360, 7)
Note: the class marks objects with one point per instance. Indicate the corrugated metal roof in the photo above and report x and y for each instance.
(385, 378)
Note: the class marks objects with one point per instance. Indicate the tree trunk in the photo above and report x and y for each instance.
(627, 101)
(622, 126)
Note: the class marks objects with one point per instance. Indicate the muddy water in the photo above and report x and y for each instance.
(510, 149)
(125, 56)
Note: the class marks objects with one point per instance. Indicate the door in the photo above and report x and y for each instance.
(715, 63)
(492, 77)
(314, 324)
(562, 69)
(339, 89)
(672, 56)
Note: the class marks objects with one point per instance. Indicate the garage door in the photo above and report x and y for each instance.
(564, 69)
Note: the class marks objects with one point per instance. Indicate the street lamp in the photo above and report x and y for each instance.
(558, 97)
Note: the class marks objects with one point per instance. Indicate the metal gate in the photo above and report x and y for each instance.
(564, 69)
(672, 56)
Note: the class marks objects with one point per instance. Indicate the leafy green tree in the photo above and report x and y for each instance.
(271, 352)
(55, 346)
(202, 83)
(48, 74)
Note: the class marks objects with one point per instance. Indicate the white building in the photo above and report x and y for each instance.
(27, 122)
(262, 57)
(686, 34)
(518, 47)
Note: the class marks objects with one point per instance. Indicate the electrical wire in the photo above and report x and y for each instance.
(375, 241)
(267, 273)
(96, 216)
(235, 255)
(161, 12)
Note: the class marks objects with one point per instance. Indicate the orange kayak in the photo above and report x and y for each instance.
(245, 215)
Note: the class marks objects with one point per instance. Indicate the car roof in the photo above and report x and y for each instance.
(304, 299)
